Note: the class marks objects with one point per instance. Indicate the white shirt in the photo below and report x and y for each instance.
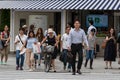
(90, 28)
(64, 39)
(19, 45)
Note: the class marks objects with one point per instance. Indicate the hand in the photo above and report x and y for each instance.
(69, 49)
(88, 48)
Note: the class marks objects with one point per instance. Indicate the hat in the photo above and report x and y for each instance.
(24, 26)
(50, 31)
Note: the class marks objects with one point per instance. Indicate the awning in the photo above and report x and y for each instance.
(62, 5)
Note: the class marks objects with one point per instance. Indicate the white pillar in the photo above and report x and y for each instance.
(12, 31)
(63, 21)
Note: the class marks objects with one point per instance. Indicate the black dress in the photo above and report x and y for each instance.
(110, 51)
(52, 41)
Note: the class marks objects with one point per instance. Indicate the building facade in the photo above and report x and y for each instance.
(58, 13)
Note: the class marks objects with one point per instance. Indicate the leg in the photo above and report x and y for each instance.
(22, 61)
(87, 58)
(74, 58)
(65, 58)
(6, 54)
(2, 55)
(17, 59)
(110, 64)
(28, 58)
(106, 64)
(53, 64)
(91, 58)
(32, 60)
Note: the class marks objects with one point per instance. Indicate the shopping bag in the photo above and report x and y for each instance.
(36, 48)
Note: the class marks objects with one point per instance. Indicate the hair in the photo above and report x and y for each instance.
(113, 32)
(91, 22)
(67, 27)
(51, 26)
(69, 24)
(42, 36)
(76, 20)
(31, 27)
(93, 30)
(30, 33)
(21, 29)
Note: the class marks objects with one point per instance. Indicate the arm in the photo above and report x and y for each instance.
(85, 39)
(57, 41)
(43, 40)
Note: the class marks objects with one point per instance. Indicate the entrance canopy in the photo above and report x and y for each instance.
(62, 4)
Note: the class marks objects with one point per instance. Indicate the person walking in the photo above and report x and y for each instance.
(53, 41)
(64, 47)
(5, 38)
(20, 41)
(29, 52)
(91, 27)
(90, 52)
(40, 37)
(76, 38)
(110, 49)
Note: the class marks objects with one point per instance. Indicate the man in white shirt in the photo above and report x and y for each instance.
(91, 27)
(20, 41)
(64, 46)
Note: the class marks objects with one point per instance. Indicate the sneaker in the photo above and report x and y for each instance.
(1, 62)
(5, 63)
(30, 70)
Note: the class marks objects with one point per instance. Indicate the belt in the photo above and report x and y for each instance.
(76, 43)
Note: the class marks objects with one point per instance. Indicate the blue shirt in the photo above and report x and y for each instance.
(76, 37)
(30, 41)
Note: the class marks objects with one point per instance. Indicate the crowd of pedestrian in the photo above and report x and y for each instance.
(30, 46)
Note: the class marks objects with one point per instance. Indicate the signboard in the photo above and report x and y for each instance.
(39, 21)
(99, 20)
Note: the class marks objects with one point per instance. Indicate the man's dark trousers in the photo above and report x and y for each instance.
(77, 48)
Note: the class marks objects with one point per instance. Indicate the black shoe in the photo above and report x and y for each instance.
(91, 67)
(17, 68)
(79, 72)
(73, 73)
(21, 68)
(55, 71)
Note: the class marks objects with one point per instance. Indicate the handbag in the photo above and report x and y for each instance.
(103, 44)
(69, 57)
(49, 49)
(1, 45)
(37, 48)
(24, 49)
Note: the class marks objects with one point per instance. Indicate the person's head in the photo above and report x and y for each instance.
(69, 24)
(91, 22)
(31, 34)
(67, 29)
(24, 26)
(93, 31)
(77, 24)
(112, 31)
(6, 28)
(51, 27)
(39, 31)
(32, 27)
(50, 32)
(21, 31)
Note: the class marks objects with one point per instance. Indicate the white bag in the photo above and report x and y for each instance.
(23, 51)
(36, 48)
(49, 49)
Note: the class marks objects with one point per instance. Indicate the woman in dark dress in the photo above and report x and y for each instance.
(110, 49)
(53, 41)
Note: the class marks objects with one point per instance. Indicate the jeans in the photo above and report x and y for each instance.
(77, 48)
(19, 59)
(64, 52)
(90, 54)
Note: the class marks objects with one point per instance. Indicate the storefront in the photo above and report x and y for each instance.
(58, 13)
